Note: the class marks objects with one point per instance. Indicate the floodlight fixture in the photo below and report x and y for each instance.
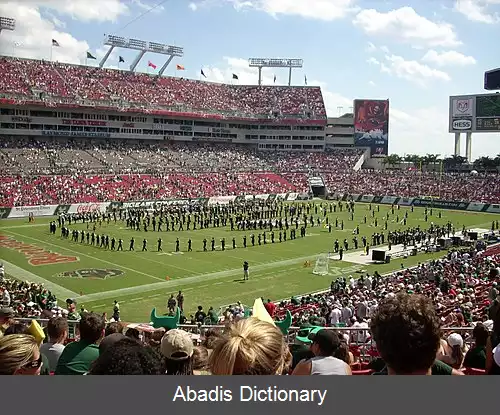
(143, 47)
(7, 23)
(275, 63)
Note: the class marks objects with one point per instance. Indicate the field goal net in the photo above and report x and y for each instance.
(321, 267)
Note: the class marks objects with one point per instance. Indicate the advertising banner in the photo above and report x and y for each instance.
(24, 211)
(389, 200)
(405, 201)
(493, 209)
(440, 204)
(88, 208)
(221, 200)
(371, 126)
(281, 196)
(292, 196)
(476, 207)
(262, 197)
(461, 107)
(366, 198)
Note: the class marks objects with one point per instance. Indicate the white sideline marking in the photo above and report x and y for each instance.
(23, 275)
(82, 254)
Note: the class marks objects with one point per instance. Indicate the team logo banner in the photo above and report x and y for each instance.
(371, 126)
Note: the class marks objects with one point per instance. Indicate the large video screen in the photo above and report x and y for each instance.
(371, 125)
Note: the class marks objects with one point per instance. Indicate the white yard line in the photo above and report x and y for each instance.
(23, 275)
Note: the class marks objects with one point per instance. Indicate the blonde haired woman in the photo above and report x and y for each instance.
(251, 347)
(19, 355)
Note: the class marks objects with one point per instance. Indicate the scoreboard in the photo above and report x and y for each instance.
(475, 113)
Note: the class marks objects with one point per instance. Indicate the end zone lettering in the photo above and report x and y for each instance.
(36, 255)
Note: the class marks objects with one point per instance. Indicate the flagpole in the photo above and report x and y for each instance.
(51, 51)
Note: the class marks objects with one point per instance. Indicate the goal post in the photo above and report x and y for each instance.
(321, 267)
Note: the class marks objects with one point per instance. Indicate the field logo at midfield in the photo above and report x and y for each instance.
(36, 256)
(92, 273)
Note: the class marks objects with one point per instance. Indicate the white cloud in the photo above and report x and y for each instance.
(450, 57)
(410, 70)
(85, 10)
(35, 35)
(148, 7)
(371, 83)
(327, 10)
(408, 26)
(477, 10)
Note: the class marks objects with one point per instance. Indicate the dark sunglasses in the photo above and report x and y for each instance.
(34, 364)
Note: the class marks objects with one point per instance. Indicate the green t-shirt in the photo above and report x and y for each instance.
(77, 358)
(438, 368)
(476, 358)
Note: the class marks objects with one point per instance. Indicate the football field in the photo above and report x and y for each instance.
(95, 277)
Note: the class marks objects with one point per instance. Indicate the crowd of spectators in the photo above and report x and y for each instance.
(36, 171)
(25, 79)
(410, 320)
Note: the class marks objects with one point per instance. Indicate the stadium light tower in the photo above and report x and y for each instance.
(275, 63)
(143, 47)
(6, 23)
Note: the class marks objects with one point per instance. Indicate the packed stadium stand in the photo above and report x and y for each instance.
(21, 77)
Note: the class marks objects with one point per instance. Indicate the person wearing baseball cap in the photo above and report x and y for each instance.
(324, 344)
(177, 347)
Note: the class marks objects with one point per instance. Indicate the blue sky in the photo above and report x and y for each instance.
(415, 53)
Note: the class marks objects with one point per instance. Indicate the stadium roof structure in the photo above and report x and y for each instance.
(7, 23)
(143, 47)
(275, 63)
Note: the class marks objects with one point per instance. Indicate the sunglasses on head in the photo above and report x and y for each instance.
(34, 364)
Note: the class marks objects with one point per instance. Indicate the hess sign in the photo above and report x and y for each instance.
(462, 125)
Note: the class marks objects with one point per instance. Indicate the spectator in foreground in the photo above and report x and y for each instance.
(6, 319)
(407, 332)
(476, 356)
(114, 327)
(57, 329)
(78, 356)
(22, 328)
(177, 347)
(19, 355)
(492, 347)
(127, 357)
(200, 361)
(109, 341)
(324, 345)
(451, 351)
(251, 347)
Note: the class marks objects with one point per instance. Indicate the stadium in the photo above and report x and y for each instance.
(144, 204)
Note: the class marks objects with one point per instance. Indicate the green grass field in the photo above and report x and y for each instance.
(207, 278)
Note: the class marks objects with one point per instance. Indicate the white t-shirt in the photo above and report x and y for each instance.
(360, 336)
(335, 316)
(52, 352)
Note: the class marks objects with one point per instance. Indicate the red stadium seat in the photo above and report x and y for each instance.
(362, 372)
